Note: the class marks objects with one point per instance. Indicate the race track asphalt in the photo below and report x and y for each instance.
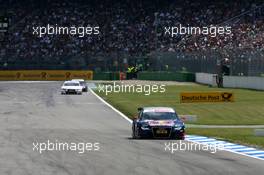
(38, 113)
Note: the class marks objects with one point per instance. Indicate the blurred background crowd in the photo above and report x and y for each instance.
(128, 30)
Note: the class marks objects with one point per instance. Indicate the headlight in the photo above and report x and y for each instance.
(178, 127)
(145, 127)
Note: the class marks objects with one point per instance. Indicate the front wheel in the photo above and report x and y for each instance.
(134, 133)
(179, 137)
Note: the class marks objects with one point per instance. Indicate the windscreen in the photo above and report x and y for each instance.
(71, 84)
(159, 116)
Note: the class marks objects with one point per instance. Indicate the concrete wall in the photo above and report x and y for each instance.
(244, 82)
(232, 81)
(167, 76)
(204, 78)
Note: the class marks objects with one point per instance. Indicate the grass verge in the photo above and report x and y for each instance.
(248, 109)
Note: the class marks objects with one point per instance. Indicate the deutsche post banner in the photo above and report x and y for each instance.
(197, 97)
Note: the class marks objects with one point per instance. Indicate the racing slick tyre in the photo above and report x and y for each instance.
(134, 135)
(179, 138)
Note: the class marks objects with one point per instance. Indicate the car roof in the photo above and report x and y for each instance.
(71, 81)
(77, 80)
(158, 109)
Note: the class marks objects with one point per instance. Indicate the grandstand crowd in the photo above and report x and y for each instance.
(135, 28)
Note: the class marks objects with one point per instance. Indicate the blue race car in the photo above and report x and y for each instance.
(158, 122)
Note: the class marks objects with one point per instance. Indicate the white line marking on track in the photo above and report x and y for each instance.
(113, 108)
(203, 140)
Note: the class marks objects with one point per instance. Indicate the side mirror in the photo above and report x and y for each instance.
(183, 118)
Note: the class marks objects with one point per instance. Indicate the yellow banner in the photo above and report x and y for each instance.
(197, 97)
(49, 75)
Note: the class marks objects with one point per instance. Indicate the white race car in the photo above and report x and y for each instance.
(83, 84)
(71, 87)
